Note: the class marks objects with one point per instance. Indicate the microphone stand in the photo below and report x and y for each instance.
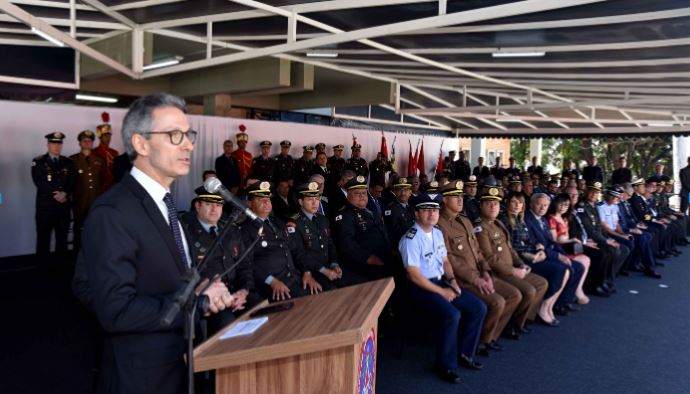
(186, 299)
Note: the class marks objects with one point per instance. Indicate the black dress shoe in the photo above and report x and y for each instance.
(493, 345)
(600, 292)
(675, 253)
(572, 308)
(525, 330)
(610, 287)
(512, 333)
(652, 274)
(553, 323)
(623, 273)
(448, 375)
(482, 350)
(468, 363)
(560, 311)
(663, 256)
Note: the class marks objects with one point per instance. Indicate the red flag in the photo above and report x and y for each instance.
(439, 165)
(410, 161)
(415, 159)
(384, 146)
(421, 165)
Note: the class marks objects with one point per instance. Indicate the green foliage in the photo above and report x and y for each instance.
(642, 152)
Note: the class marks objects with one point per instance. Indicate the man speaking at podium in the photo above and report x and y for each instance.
(135, 255)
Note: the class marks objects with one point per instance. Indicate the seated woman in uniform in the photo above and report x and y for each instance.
(494, 242)
(558, 224)
(534, 256)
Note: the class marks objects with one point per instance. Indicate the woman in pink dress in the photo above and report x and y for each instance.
(558, 225)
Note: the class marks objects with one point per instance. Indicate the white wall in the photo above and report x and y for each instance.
(23, 125)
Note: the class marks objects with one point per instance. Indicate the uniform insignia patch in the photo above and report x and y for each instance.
(290, 229)
(387, 212)
(264, 244)
(580, 210)
(411, 233)
(477, 229)
(339, 217)
(500, 248)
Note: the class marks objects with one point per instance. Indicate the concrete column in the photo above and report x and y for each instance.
(535, 146)
(217, 104)
(681, 151)
(477, 148)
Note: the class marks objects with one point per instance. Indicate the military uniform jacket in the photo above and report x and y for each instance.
(663, 205)
(621, 176)
(470, 207)
(398, 219)
(378, 169)
(303, 169)
(318, 250)
(461, 170)
(494, 241)
(361, 234)
(284, 168)
(589, 216)
(463, 249)
(88, 183)
(228, 171)
(481, 172)
(641, 208)
(272, 255)
(358, 165)
(535, 170)
(52, 177)
(593, 174)
(337, 165)
(262, 168)
(627, 218)
(229, 250)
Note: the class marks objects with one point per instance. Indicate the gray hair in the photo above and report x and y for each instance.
(537, 196)
(317, 178)
(139, 117)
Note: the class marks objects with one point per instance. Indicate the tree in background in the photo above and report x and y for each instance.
(642, 152)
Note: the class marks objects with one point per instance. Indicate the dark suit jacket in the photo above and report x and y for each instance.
(128, 271)
(542, 236)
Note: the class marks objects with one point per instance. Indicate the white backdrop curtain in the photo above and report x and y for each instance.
(23, 125)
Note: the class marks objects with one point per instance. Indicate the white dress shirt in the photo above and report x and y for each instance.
(157, 193)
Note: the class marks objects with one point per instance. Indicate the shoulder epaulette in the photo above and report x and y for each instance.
(411, 233)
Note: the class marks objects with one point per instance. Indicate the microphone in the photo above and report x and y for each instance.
(213, 185)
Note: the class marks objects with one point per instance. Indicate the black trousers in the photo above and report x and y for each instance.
(601, 263)
(48, 221)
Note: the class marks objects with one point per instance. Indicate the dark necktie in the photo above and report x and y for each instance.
(175, 226)
(212, 231)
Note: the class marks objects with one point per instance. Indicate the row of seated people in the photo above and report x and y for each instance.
(521, 258)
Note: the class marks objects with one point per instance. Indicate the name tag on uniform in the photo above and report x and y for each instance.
(387, 212)
(580, 210)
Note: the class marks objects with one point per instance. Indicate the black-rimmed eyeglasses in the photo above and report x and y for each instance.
(176, 136)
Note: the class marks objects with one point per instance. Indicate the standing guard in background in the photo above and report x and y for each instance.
(89, 172)
(461, 168)
(356, 163)
(242, 157)
(227, 169)
(399, 216)
(104, 133)
(378, 169)
(263, 165)
(304, 166)
(284, 163)
(471, 202)
(320, 148)
(53, 176)
(336, 162)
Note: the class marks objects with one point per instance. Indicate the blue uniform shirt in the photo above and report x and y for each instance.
(419, 250)
(609, 214)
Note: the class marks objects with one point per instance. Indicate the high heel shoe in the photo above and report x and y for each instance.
(582, 300)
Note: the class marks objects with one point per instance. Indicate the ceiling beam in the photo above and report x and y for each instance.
(608, 131)
(517, 118)
(109, 12)
(66, 22)
(45, 27)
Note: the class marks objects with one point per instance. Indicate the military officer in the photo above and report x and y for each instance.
(317, 255)
(54, 177)
(202, 230)
(320, 148)
(275, 274)
(363, 242)
(378, 169)
(506, 265)
(104, 132)
(284, 163)
(336, 162)
(677, 221)
(356, 163)
(89, 172)
(471, 203)
(304, 166)
(263, 165)
(642, 210)
(434, 289)
(591, 221)
(242, 157)
(399, 216)
(471, 268)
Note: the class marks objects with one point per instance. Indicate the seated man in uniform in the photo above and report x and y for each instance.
(435, 290)
(398, 216)
(363, 241)
(494, 241)
(202, 230)
(275, 274)
(643, 211)
(317, 256)
(471, 268)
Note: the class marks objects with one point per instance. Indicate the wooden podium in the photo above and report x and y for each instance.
(325, 344)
